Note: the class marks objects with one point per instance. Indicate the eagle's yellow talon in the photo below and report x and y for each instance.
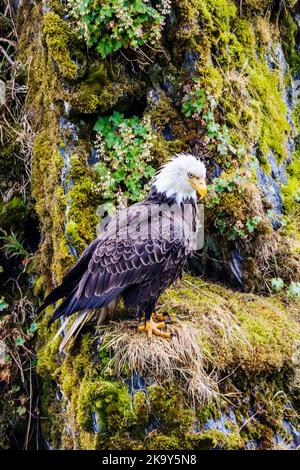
(154, 328)
(161, 317)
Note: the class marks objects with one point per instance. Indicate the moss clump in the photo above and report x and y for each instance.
(14, 215)
(291, 203)
(291, 189)
(104, 88)
(262, 332)
(265, 89)
(57, 39)
(215, 439)
(109, 401)
(235, 330)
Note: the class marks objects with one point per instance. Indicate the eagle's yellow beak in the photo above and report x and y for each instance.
(200, 186)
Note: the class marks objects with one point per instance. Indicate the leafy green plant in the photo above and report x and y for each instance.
(252, 223)
(277, 284)
(110, 25)
(226, 222)
(14, 247)
(20, 341)
(32, 329)
(3, 304)
(201, 106)
(297, 196)
(21, 410)
(123, 146)
(223, 185)
(294, 290)
(194, 103)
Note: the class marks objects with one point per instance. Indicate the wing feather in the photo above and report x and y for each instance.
(117, 262)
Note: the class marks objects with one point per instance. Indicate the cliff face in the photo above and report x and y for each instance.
(218, 79)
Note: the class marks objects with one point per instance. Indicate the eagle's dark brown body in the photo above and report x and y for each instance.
(139, 269)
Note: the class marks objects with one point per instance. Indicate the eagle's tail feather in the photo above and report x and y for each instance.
(57, 294)
(72, 304)
(71, 279)
(79, 322)
(81, 319)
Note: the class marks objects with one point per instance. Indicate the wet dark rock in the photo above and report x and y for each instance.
(168, 87)
(153, 426)
(59, 394)
(153, 96)
(214, 170)
(95, 423)
(278, 171)
(251, 445)
(236, 266)
(220, 424)
(270, 188)
(276, 59)
(167, 133)
(288, 97)
(69, 134)
(93, 157)
(190, 60)
(293, 432)
(73, 251)
(137, 383)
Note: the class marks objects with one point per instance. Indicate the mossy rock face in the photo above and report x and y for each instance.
(251, 341)
(243, 56)
(237, 58)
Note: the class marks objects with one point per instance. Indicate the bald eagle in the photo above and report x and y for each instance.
(142, 251)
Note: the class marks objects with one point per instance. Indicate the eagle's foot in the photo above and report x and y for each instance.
(152, 328)
(162, 317)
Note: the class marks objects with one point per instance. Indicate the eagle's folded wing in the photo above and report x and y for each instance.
(120, 261)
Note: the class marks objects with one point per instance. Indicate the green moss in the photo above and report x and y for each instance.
(291, 203)
(104, 88)
(268, 329)
(247, 338)
(13, 215)
(214, 438)
(289, 30)
(57, 39)
(97, 396)
(265, 89)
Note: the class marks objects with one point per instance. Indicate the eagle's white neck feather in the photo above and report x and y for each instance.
(173, 180)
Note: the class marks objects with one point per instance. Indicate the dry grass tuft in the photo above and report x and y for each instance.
(177, 359)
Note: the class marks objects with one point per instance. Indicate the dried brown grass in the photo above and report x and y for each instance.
(179, 358)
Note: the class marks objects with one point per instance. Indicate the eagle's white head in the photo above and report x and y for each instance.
(183, 177)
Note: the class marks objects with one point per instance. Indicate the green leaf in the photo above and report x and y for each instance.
(117, 118)
(21, 410)
(222, 149)
(294, 290)
(212, 129)
(277, 284)
(19, 341)
(3, 304)
(252, 223)
(32, 329)
(110, 139)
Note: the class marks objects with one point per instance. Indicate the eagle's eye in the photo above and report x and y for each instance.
(190, 175)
